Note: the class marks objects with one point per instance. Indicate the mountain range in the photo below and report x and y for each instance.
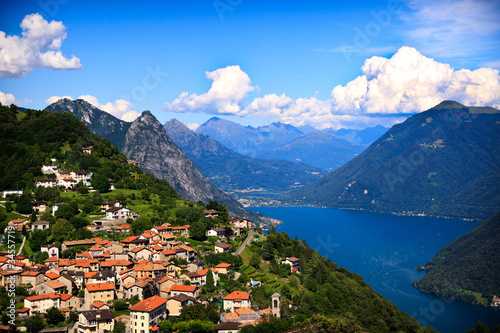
(442, 162)
(145, 141)
(317, 149)
(283, 141)
(358, 137)
(234, 172)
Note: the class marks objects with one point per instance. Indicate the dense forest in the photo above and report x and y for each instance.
(32, 138)
(468, 269)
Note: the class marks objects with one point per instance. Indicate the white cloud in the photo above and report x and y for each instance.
(8, 99)
(453, 28)
(229, 89)
(38, 47)
(410, 82)
(388, 91)
(193, 127)
(121, 109)
(54, 99)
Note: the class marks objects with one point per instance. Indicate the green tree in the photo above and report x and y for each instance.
(73, 315)
(197, 231)
(100, 183)
(33, 216)
(38, 238)
(78, 222)
(34, 324)
(165, 326)
(119, 327)
(210, 283)
(286, 291)
(66, 211)
(83, 233)
(82, 188)
(96, 199)
(120, 304)
(62, 230)
(24, 205)
(54, 316)
(43, 256)
(266, 254)
(140, 225)
(482, 328)
(255, 260)
(285, 270)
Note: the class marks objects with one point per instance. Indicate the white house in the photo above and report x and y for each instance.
(8, 193)
(49, 168)
(81, 176)
(40, 225)
(293, 262)
(51, 249)
(45, 182)
(67, 182)
(96, 321)
(237, 300)
(147, 314)
(115, 213)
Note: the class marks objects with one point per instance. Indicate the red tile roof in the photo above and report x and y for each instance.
(52, 276)
(223, 265)
(54, 295)
(100, 286)
(237, 295)
(97, 304)
(189, 289)
(149, 304)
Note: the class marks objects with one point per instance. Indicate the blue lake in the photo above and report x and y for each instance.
(385, 249)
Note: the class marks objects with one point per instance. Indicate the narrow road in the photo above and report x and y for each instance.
(245, 242)
(22, 244)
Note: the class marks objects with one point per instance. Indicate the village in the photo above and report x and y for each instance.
(156, 274)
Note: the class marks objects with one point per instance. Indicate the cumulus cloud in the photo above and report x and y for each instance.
(193, 127)
(121, 109)
(410, 82)
(388, 90)
(230, 87)
(38, 47)
(8, 99)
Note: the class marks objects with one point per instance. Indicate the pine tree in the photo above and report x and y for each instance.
(210, 284)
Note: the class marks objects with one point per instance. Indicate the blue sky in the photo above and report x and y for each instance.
(320, 63)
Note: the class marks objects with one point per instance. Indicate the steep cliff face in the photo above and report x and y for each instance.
(98, 121)
(146, 142)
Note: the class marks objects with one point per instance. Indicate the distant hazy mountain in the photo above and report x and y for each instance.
(247, 140)
(358, 137)
(231, 171)
(444, 161)
(145, 141)
(468, 265)
(317, 149)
